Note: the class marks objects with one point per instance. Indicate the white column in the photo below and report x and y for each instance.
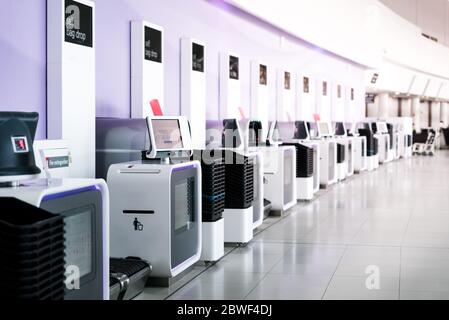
(416, 106)
(147, 68)
(406, 107)
(230, 86)
(435, 114)
(286, 96)
(71, 80)
(193, 88)
(306, 98)
(384, 105)
(445, 114)
(373, 108)
(259, 104)
(393, 110)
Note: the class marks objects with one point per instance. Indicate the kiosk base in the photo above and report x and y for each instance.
(213, 241)
(238, 225)
(342, 169)
(362, 165)
(305, 188)
(372, 163)
(390, 156)
(408, 152)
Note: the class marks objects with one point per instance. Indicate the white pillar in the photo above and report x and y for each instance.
(406, 107)
(373, 108)
(193, 88)
(384, 105)
(435, 114)
(393, 110)
(416, 106)
(445, 114)
(71, 80)
(147, 68)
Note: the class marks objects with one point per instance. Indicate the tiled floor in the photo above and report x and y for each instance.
(393, 223)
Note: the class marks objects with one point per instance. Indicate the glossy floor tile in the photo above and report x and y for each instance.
(289, 287)
(378, 235)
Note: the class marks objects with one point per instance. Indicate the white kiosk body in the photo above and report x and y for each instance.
(360, 157)
(307, 157)
(346, 169)
(280, 175)
(328, 155)
(279, 169)
(385, 151)
(156, 204)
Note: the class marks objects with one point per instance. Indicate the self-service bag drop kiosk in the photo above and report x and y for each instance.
(372, 146)
(403, 141)
(381, 132)
(328, 155)
(279, 169)
(402, 128)
(315, 145)
(347, 169)
(406, 147)
(387, 129)
(395, 138)
(156, 202)
(257, 160)
(244, 180)
(83, 204)
(213, 202)
(255, 137)
(342, 155)
(295, 134)
(360, 151)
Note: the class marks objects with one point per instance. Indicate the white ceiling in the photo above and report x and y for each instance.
(432, 16)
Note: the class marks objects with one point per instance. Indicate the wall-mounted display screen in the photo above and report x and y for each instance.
(153, 45)
(233, 68)
(287, 80)
(263, 75)
(352, 94)
(167, 134)
(339, 91)
(306, 85)
(197, 57)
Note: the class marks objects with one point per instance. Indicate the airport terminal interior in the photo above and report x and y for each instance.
(224, 150)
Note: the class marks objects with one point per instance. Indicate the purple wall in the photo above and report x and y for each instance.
(220, 27)
(23, 58)
(23, 52)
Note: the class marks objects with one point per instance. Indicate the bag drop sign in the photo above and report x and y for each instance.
(197, 57)
(153, 45)
(78, 23)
